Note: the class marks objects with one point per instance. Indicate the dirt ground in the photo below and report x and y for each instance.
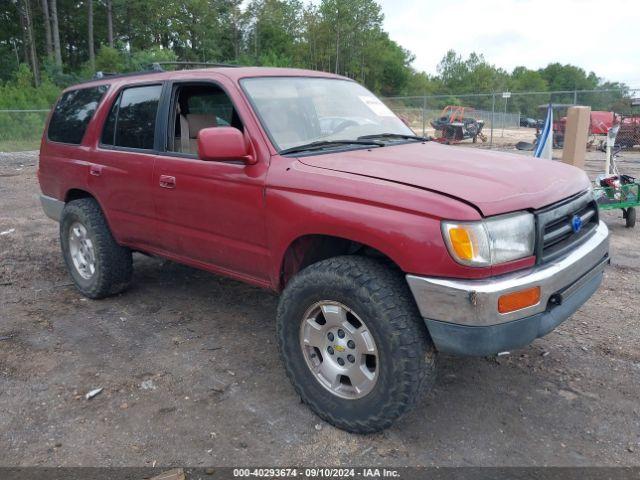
(502, 137)
(191, 374)
(506, 137)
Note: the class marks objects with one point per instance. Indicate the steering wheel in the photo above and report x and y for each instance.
(343, 126)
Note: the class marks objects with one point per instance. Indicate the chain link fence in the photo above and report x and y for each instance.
(504, 119)
(497, 120)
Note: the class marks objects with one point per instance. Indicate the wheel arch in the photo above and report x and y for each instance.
(77, 194)
(308, 249)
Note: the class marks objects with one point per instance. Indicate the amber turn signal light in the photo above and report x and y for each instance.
(513, 301)
(461, 243)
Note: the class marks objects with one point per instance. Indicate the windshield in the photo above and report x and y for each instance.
(299, 110)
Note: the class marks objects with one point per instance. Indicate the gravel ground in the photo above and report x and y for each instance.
(191, 374)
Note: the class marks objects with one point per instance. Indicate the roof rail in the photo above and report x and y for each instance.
(157, 66)
(104, 75)
(100, 74)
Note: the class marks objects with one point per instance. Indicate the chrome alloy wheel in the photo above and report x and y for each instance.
(339, 349)
(81, 250)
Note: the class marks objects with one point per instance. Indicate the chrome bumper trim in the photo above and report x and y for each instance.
(475, 302)
(52, 207)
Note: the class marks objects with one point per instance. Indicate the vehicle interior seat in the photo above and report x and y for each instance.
(190, 126)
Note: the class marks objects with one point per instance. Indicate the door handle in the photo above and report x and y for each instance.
(167, 181)
(95, 170)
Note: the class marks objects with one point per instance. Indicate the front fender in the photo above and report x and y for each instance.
(400, 221)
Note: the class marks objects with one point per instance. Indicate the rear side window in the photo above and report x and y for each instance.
(132, 120)
(73, 113)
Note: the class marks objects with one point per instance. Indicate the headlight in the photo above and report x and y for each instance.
(491, 241)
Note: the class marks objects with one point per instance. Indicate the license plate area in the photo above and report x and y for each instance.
(559, 297)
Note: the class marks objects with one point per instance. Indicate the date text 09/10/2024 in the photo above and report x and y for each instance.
(316, 472)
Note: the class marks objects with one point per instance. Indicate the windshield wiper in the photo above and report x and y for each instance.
(400, 136)
(320, 144)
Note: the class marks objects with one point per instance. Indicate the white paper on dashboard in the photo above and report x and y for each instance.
(376, 106)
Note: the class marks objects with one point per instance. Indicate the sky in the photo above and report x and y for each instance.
(600, 36)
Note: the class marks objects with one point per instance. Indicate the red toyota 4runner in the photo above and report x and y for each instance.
(386, 248)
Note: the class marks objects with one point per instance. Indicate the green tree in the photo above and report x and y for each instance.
(473, 75)
(143, 59)
(524, 80)
(342, 36)
(421, 83)
(110, 60)
(274, 31)
(568, 77)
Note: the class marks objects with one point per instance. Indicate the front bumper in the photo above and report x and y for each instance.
(462, 315)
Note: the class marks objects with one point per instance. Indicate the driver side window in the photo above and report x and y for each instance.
(195, 107)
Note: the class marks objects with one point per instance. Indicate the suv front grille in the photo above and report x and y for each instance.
(555, 233)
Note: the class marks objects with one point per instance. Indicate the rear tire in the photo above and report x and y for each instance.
(98, 266)
(376, 295)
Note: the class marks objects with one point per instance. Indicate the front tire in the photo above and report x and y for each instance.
(353, 343)
(98, 266)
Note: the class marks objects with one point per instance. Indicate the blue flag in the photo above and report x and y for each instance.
(544, 148)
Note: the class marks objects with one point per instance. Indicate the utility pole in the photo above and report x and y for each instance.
(337, 37)
(506, 96)
(424, 113)
(493, 117)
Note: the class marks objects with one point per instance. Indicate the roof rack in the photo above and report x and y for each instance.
(157, 66)
(102, 75)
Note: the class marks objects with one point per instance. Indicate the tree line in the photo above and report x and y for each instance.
(62, 39)
(57, 42)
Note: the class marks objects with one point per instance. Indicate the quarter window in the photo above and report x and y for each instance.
(132, 120)
(73, 113)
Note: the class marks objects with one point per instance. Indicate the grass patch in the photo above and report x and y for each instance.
(19, 145)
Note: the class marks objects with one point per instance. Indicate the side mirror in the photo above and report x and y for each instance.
(223, 143)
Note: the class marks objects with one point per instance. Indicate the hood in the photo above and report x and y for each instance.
(494, 182)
